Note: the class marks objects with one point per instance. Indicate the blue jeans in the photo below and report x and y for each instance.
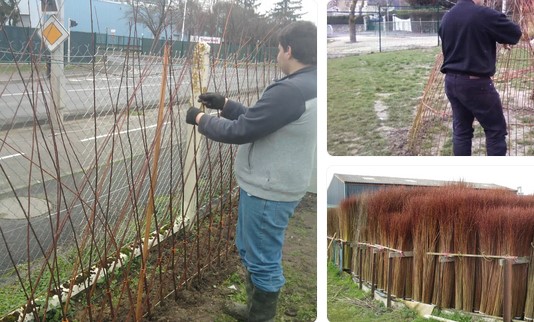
(470, 99)
(261, 226)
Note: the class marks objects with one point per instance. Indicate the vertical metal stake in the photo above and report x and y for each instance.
(373, 275)
(440, 275)
(68, 42)
(341, 252)
(361, 266)
(390, 280)
(507, 297)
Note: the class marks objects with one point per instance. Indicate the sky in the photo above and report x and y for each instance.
(309, 7)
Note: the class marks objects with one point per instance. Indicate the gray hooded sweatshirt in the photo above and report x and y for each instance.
(277, 137)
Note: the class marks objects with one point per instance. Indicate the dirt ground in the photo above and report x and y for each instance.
(205, 301)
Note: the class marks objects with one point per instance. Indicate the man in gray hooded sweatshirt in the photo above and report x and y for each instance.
(277, 140)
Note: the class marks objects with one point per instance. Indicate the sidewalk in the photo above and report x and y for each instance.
(339, 45)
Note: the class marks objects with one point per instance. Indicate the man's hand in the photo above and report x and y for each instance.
(191, 116)
(212, 100)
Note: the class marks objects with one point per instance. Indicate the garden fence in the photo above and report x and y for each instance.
(97, 166)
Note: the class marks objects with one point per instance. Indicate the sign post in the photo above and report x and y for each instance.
(54, 34)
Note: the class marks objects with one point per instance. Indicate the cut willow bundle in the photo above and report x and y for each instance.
(445, 210)
(332, 218)
(489, 224)
(528, 203)
(469, 270)
(384, 231)
(425, 237)
(332, 229)
(519, 234)
(505, 231)
(481, 203)
(359, 224)
(465, 242)
(381, 206)
(361, 235)
(529, 304)
(401, 239)
(347, 219)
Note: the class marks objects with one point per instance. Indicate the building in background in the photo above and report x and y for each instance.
(343, 186)
(104, 16)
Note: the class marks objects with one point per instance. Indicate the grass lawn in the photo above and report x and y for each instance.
(347, 303)
(372, 95)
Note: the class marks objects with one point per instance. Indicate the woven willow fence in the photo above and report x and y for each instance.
(110, 202)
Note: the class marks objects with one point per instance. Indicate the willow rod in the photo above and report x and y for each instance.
(153, 179)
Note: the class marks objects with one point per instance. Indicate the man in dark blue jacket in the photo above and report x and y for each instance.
(277, 140)
(470, 33)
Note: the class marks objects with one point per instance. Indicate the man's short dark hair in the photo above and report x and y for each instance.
(302, 37)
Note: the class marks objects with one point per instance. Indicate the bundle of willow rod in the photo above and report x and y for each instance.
(347, 218)
(505, 231)
(451, 219)
(332, 225)
(445, 210)
(519, 234)
(529, 306)
(465, 242)
(425, 235)
(359, 224)
(381, 205)
(401, 239)
(481, 202)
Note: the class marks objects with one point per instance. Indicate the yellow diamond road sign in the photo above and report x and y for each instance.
(53, 33)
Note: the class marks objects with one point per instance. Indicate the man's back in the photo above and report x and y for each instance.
(469, 34)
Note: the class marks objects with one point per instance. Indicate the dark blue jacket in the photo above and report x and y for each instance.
(469, 34)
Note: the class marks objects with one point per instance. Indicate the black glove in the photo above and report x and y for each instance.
(191, 116)
(212, 100)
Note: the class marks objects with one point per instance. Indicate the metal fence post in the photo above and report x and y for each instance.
(437, 22)
(199, 80)
(57, 75)
(379, 29)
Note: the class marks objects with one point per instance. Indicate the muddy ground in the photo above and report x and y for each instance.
(205, 301)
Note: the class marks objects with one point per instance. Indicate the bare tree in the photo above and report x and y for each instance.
(9, 12)
(155, 15)
(352, 18)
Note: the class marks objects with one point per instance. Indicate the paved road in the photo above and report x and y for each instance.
(339, 44)
(80, 97)
(22, 102)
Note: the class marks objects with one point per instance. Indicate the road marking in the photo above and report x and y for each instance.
(121, 132)
(80, 90)
(11, 156)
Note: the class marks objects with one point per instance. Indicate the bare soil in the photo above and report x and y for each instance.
(205, 300)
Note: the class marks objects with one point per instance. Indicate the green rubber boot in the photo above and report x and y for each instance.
(263, 306)
(240, 311)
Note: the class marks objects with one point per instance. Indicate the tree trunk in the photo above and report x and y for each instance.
(352, 21)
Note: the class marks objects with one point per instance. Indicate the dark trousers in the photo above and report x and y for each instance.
(472, 98)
